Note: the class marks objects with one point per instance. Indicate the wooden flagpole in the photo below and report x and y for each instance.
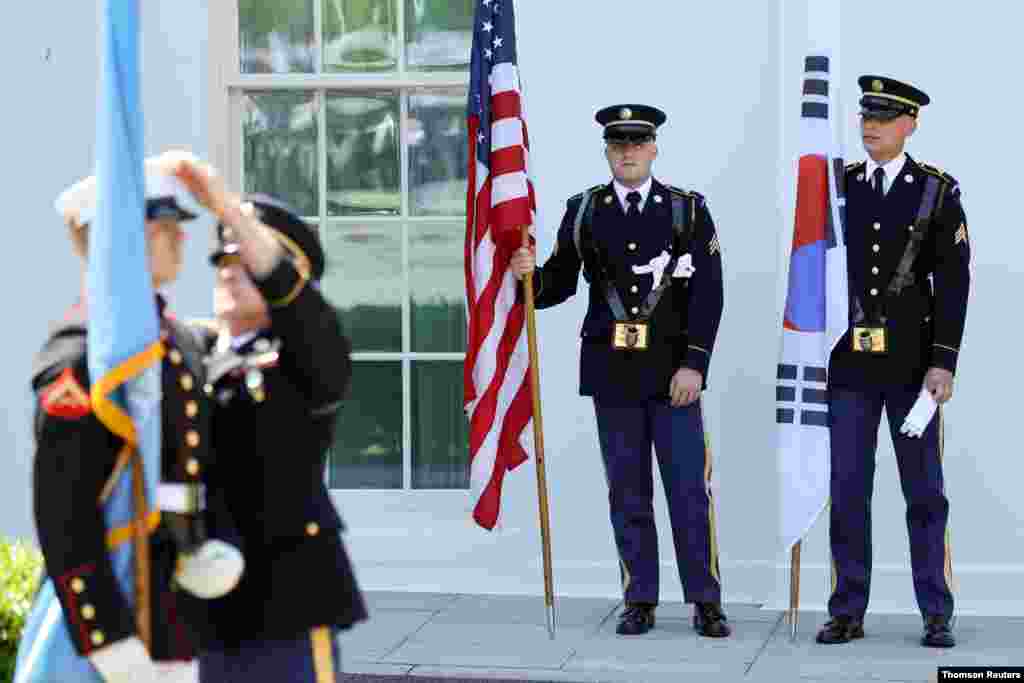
(538, 444)
(140, 543)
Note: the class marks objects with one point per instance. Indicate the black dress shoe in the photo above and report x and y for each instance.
(937, 632)
(841, 629)
(710, 621)
(637, 619)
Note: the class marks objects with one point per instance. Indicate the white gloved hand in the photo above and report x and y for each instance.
(684, 266)
(212, 571)
(920, 415)
(178, 672)
(125, 661)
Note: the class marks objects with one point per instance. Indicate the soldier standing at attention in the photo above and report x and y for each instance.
(908, 256)
(654, 264)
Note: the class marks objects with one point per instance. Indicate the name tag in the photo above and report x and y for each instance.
(630, 336)
(870, 340)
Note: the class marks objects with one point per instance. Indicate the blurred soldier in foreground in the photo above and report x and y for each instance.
(77, 458)
(279, 369)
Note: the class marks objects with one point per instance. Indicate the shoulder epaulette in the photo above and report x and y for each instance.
(595, 188)
(686, 193)
(855, 164)
(938, 172)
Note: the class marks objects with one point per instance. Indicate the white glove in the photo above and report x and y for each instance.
(125, 661)
(920, 415)
(212, 571)
(178, 672)
(684, 266)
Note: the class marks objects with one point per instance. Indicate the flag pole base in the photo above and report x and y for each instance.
(551, 622)
(793, 619)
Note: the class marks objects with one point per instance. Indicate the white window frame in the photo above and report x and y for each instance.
(226, 85)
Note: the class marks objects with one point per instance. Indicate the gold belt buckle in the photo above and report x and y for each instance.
(630, 335)
(870, 340)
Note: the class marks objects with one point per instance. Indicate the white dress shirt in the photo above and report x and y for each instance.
(892, 169)
(644, 190)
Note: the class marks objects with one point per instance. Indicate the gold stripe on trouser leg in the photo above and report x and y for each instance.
(834, 575)
(323, 654)
(947, 569)
(627, 578)
(712, 535)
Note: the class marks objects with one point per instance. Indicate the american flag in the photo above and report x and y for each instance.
(500, 202)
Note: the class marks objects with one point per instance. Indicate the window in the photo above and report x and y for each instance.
(353, 111)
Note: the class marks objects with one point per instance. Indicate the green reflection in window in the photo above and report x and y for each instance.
(279, 147)
(360, 35)
(367, 448)
(440, 441)
(437, 287)
(438, 152)
(276, 37)
(438, 34)
(362, 154)
(364, 281)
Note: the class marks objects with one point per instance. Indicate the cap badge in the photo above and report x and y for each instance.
(625, 113)
(877, 86)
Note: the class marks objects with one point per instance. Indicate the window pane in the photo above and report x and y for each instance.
(360, 35)
(438, 33)
(440, 441)
(364, 280)
(279, 142)
(437, 286)
(367, 448)
(438, 150)
(362, 154)
(276, 37)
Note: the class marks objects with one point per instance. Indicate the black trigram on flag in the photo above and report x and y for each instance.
(801, 390)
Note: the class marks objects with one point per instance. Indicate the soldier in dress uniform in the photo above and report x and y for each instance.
(654, 264)
(908, 254)
(75, 461)
(279, 370)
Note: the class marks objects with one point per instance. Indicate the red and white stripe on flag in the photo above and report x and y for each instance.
(500, 202)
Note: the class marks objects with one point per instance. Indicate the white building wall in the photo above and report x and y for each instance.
(50, 52)
(728, 74)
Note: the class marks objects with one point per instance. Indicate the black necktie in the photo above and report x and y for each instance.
(633, 199)
(879, 176)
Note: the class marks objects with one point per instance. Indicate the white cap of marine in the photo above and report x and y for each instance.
(165, 196)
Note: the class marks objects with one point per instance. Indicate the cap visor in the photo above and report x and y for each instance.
(222, 251)
(881, 114)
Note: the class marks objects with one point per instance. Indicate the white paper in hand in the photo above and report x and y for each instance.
(920, 415)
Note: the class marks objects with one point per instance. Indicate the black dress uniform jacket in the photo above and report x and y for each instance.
(273, 436)
(75, 456)
(684, 324)
(926, 321)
